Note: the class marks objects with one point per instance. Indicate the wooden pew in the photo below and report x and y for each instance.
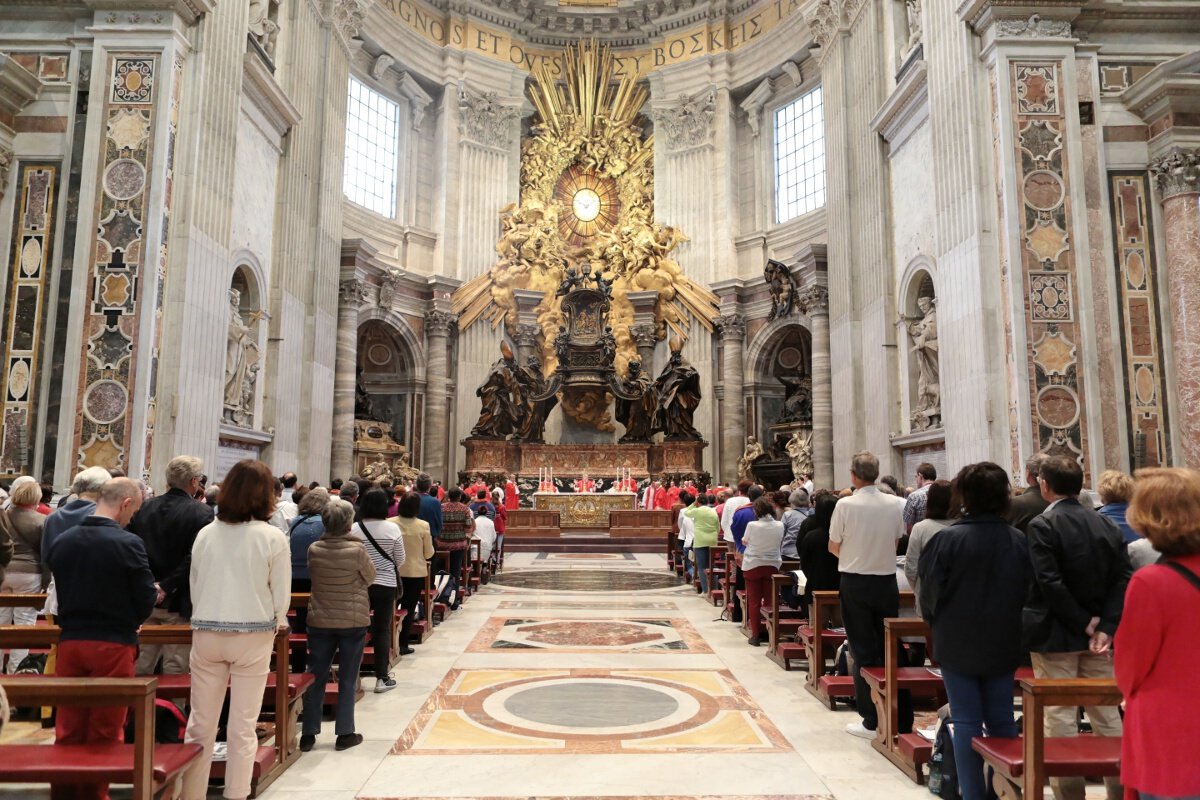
(820, 645)
(783, 647)
(717, 570)
(283, 694)
(22, 600)
(1022, 765)
(908, 751)
(149, 767)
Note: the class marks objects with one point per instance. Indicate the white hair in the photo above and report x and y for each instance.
(182, 469)
(90, 480)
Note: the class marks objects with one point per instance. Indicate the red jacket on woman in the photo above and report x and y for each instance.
(1156, 649)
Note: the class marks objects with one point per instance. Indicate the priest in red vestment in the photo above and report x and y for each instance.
(512, 495)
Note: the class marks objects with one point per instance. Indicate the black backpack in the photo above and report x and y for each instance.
(943, 772)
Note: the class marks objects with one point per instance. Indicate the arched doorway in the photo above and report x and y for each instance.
(779, 385)
(389, 373)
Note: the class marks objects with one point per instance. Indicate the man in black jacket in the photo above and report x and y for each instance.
(1029, 503)
(168, 525)
(105, 590)
(1080, 571)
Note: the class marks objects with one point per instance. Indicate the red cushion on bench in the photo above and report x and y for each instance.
(88, 763)
(264, 758)
(914, 679)
(1093, 756)
(837, 685)
(915, 747)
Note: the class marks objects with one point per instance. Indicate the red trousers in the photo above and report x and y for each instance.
(82, 725)
(758, 588)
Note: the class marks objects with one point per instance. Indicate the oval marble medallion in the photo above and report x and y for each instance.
(31, 256)
(124, 179)
(1143, 383)
(18, 380)
(1043, 190)
(1058, 406)
(591, 707)
(105, 401)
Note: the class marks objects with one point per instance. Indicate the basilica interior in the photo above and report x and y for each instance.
(637, 240)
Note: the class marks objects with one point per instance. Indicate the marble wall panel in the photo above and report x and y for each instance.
(1048, 259)
(119, 262)
(25, 309)
(1141, 333)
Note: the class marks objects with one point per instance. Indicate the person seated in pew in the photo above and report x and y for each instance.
(759, 562)
(485, 531)
(418, 550)
(105, 591)
(339, 614)
(241, 583)
(973, 579)
(1157, 645)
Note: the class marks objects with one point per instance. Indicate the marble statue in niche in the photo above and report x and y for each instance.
(913, 10)
(502, 398)
(241, 363)
(678, 389)
(364, 405)
(637, 415)
(782, 286)
(922, 330)
(263, 25)
(797, 403)
(753, 450)
(799, 449)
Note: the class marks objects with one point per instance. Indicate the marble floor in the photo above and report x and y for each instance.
(594, 678)
(591, 678)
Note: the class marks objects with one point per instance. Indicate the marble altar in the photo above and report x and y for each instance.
(585, 510)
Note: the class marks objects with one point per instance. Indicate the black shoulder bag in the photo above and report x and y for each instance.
(378, 549)
(1187, 574)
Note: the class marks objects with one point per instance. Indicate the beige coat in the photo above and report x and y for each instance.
(418, 545)
(341, 571)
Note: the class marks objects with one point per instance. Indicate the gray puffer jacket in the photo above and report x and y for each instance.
(341, 571)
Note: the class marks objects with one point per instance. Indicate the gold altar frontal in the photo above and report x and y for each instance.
(586, 510)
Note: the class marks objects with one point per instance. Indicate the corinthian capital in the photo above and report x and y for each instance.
(644, 335)
(439, 323)
(347, 16)
(483, 119)
(689, 121)
(1176, 173)
(733, 326)
(352, 292)
(813, 300)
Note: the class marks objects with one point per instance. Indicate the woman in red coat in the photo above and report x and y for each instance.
(1157, 646)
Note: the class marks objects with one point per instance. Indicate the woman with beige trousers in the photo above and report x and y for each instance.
(241, 580)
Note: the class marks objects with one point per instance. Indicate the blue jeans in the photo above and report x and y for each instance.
(687, 562)
(702, 558)
(977, 702)
(323, 643)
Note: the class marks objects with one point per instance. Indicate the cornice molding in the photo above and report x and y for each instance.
(267, 97)
(18, 88)
(187, 10)
(1021, 18)
(1173, 86)
(906, 109)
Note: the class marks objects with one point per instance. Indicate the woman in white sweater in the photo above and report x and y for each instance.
(241, 581)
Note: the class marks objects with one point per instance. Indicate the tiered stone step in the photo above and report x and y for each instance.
(582, 543)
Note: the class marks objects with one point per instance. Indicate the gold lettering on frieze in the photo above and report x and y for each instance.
(710, 39)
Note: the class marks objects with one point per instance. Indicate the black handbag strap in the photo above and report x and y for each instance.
(375, 544)
(1187, 574)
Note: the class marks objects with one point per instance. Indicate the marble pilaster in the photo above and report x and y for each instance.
(1177, 175)
(646, 338)
(438, 325)
(733, 413)
(351, 294)
(814, 302)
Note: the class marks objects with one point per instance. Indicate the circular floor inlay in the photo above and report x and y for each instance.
(591, 705)
(585, 580)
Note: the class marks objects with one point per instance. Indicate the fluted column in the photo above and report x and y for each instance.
(646, 339)
(350, 296)
(438, 325)
(1177, 175)
(814, 302)
(733, 411)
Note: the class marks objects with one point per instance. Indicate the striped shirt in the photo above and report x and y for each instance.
(387, 535)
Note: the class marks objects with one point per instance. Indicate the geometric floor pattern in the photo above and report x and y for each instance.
(559, 635)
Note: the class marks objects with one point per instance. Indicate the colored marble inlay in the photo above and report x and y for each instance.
(1141, 335)
(585, 557)
(585, 580)
(574, 711)
(640, 635)
(565, 605)
(25, 309)
(119, 265)
(1047, 258)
